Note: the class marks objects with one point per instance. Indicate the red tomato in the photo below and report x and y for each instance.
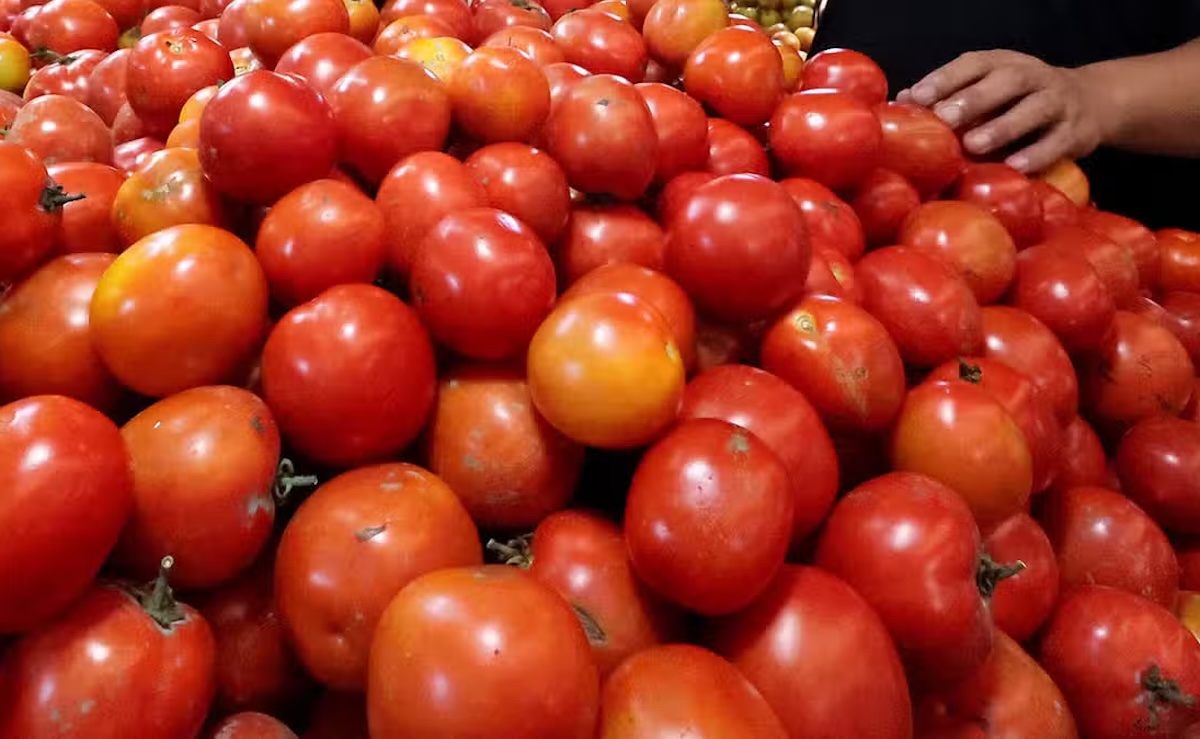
(919, 147)
(66, 26)
(169, 17)
(683, 690)
(1008, 195)
(601, 346)
(601, 44)
(534, 43)
(526, 183)
(131, 155)
(471, 626)
(1139, 240)
(1022, 603)
(1083, 462)
(1019, 340)
(250, 725)
(493, 16)
(66, 476)
(846, 71)
(733, 273)
(971, 239)
(562, 77)
(1159, 465)
(734, 150)
(245, 152)
(603, 135)
(749, 505)
(274, 26)
(1087, 524)
(925, 304)
(61, 129)
(108, 654)
(783, 419)
(168, 189)
(830, 222)
(321, 59)
(66, 75)
(1180, 260)
(1181, 316)
(454, 13)
(1113, 262)
(795, 644)
(674, 28)
(256, 668)
(87, 223)
(1064, 292)
(401, 30)
(832, 274)
(1140, 370)
(349, 375)
(1127, 666)
(882, 202)
(195, 62)
(681, 126)
(738, 73)
(910, 547)
(350, 547)
(481, 78)
(831, 137)
(1057, 208)
(675, 195)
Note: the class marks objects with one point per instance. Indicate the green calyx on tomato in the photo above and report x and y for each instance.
(54, 197)
(1163, 693)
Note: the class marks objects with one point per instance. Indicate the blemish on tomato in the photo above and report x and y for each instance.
(739, 442)
(805, 322)
(370, 532)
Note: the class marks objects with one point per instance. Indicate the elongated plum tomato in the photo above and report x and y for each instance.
(1158, 462)
(601, 346)
(971, 239)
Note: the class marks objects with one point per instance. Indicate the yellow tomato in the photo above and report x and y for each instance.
(442, 55)
(364, 19)
(1068, 177)
(14, 64)
(792, 64)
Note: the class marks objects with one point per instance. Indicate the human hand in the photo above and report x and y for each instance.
(998, 97)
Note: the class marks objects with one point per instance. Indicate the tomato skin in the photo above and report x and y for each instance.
(65, 514)
(195, 62)
(274, 26)
(252, 725)
(454, 13)
(130, 155)
(971, 239)
(922, 583)
(1057, 208)
(1083, 462)
(492, 16)
(738, 73)
(1021, 604)
(525, 182)
(734, 275)
(1183, 319)
(925, 304)
(71, 76)
(1139, 240)
(1008, 195)
(1179, 253)
(168, 189)
(830, 221)
(749, 503)
(1064, 291)
(1099, 647)
(601, 44)
(535, 43)
(1112, 261)
(349, 375)
(65, 26)
(350, 548)
(681, 127)
(602, 134)
(1140, 370)
(882, 202)
(734, 150)
(919, 147)
(482, 75)
(86, 224)
(109, 654)
(847, 71)
(58, 128)
(832, 274)
(538, 688)
(780, 416)
(600, 235)
(1014, 337)
(675, 28)
(1158, 462)
(322, 58)
(831, 137)
(797, 639)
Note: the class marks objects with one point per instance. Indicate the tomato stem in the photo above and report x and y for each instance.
(54, 198)
(990, 574)
(43, 54)
(516, 552)
(1164, 693)
(968, 372)
(287, 481)
(158, 600)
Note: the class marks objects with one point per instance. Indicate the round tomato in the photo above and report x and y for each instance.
(1180, 260)
(349, 375)
(1014, 337)
(66, 26)
(600, 235)
(58, 128)
(526, 183)
(195, 62)
(484, 75)
(882, 202)
(1008, 195)
(453, 657)
(601, 44)
(971, 239)
(131, 155)
(322, 59)
(440, 56)
(1139, 240)
(403, 29)
(734, 150)
(1083, 462)
(493, 16)
(831, 137)
(274, 26)
(738, 73)
(681, 126)
(674, 28)
(69, 75)
(846, 71)
(87, 223)
(168, 189)
(1158, 462)
(1057, 208)
(14, 65)
(183, 307)
(1181, 316)
(1112, 261)
(167, 16)
(1068, 177)
(1064, 292)
(454, 13)
(919, 147)
(1139, 370)
(831, 223)
(1022, 602)
(832, 274)
(675, 195)
(535, 43)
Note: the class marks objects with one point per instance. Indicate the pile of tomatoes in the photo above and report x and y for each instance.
(564, 371)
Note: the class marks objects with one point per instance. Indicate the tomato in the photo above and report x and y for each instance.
(1008, 195)
(831, 137)
(1113, 262)
(603, 135)
(846, 71)
(1083, 462)
(971, 239)
(1064, 292)
(398, 32)
(66, 474)
(1057, 208)
(169, 189)
(127, 126)
(830, 222)
(152, 345)
(534, 43)
(106, 656)
(454, 13)
(1127, 666)
(195, 62)
(1140, 370)
(318, 236)
(734, 150)
(797, 644)
(131, 155)
(882, 202)
(86, 224)
(168, 17)
(274, 26)
(66, 26)
(1139, 240)
(251, 725)
(470, 626)
(339, 716)
(674, 28)
(321, 59)
(243, 151)
(683, 690)
(738, 73)
(925, 304)
(1022, 603)
(61, 129)
(724, 267)
(34, 214)
(1009, 695)
(1158, 461)
(600, 235)
(832, 274)
(919, 147)
(386, 109)
(526, 183)
(14, 65)
(601, 346)
(492, 16)
(675, 195)
(1067, 177)
(1014, 337)
(440, 56)
(1182, 316)
(474, 87)
(9, 105)
(256, 668)
(65, 75)
(601, 44)
(682, 130)
(842, 359)
(349, 375)
(1180, 260)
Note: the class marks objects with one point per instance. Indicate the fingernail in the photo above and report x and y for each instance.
(923, 94)
(1019, 162)
(978, 141)
(951, 113)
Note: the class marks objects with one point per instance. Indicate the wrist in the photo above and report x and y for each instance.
(1105, 100)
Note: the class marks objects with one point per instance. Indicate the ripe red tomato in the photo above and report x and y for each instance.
(1087, 524)
(1083, 462)
(58, 128)
(454, 13)
(251, 725)
(601, 44)
(169, 16)
(1180, 260)
(526, 183)
(1064, 292)
(1159, 465)
(681, 126)
(601, 346)
(882, 202)
(350, 547)
(603, 135)
(453, 657)
(675, 195)
(830, 222)
(971, 239)
(477, 83)
(734, 150)
(925, 304)
(798, 640)
(1126, 665)
(168, 189)
(733, 273)
(349, 375)
(738, 73)
(1019, 340)
(1022, 603)
(400, 30)
(909, 546)
(322, 59)
(1113, 262)
(76, 669)
(65, 75)
(674, 28)
(1139, 240)
(34, 215)
(831, 137)
(86, 224)
(130, 155)
(783, 419)
(1139, 370)
(243, 148)
(1057, 208)
(684, 690)
(274, 26)
(66, 26)
(493, 16)
(919, 147)
(1008, 195)
(534, 43)
(66, 474)
(195, 62)
(846, 71)
(1181, 314)
(832, 274)
(601, 235)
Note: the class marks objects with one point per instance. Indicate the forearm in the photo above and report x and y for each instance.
(1150, 104)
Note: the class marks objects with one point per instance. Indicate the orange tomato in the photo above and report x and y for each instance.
(442, 55)
(168, 190)
(1070, 179)
(195, 104)
(364, 19)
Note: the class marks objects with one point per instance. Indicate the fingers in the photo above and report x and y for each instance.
(950, 78)
(1033, 113)
(981, 100)
(1058, 143)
